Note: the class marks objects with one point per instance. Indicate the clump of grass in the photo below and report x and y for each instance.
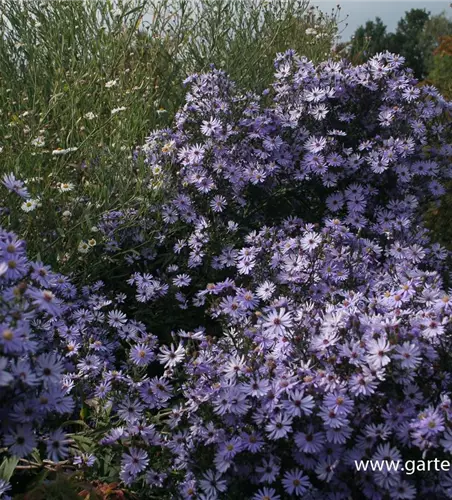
(83, 82)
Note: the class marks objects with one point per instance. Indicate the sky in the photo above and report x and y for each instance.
(356, 12)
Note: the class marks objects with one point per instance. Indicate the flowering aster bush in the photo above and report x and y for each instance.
(324, 358)
(290, 223)
(361, 143)
(34, 393)
(284, 312)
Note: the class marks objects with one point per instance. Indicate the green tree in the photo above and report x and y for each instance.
(407, 40)
(368, 40)
(441, 72)
(416, 37)
(435, 29)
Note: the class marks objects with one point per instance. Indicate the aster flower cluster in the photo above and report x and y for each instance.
(309, 321)
(326, 350)
(291, 220)
(34, 395)
(363, 144)
(357, 140)
(55, 342)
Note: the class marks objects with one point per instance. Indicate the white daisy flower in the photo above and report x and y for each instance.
(38, 141)
(63, 187)
(60, 151)
(90, 115)
(29, 205)
(111, 83)
(83, 247)
(117, 110)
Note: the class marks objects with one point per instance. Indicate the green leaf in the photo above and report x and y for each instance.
(8, 467)
(132, 11)
(84, 412)
(75, 422)
(36, 456)
(83, 443)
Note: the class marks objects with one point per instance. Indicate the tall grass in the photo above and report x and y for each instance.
(67, 70)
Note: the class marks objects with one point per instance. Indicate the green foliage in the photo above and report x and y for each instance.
(415, 38)
(88, 80)
(7, 468)
(60, 489)
(439, 218)
(407, 40)
(430, 38)
(63, 487)
(441, 72)
(368, 40)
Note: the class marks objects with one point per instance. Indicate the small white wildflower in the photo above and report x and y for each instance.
(60, 151)
(66, 213)
(117, 110)
(38, 141)
(65, 186)
(161, 111)
(111, 83)
(92, 242)
(29, 205)
(90, 115)
(83, 247)
(311, 31)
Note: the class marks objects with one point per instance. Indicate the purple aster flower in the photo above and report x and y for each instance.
(116, 318)
(277, 322)
(266, 494)
(295, 482)
(135, 461)
(212, 483)
(130, 410)
(171, 356)
(141, 355)
(4, 487)
(21, 440)
(252, 442)
(309, 441)
(268, 470)
(5, 377)
(45, 300)
(279, 426)
(15, 185)
(57, 446)
(298, 403)
(181, 280)
(50, 368)
(84, 460)
(315, 144)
